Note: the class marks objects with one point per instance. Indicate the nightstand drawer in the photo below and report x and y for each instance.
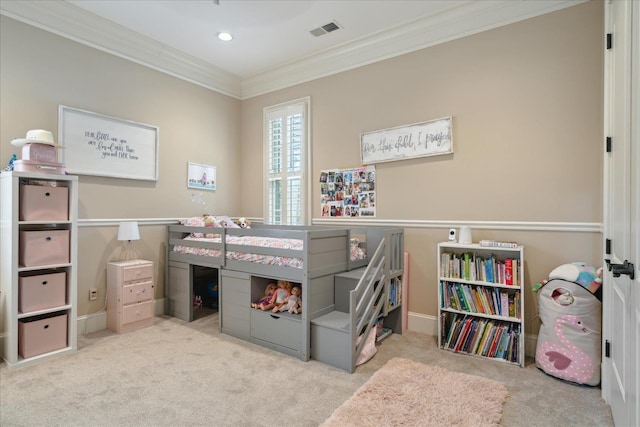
(139, 292)
(137, 312)
(137, 272)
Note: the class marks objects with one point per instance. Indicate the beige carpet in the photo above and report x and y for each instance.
(179, 374)
(422, 395)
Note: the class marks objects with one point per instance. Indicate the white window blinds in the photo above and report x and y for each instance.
(285, 154)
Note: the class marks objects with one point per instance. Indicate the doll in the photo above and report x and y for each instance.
(279, 297)
(268, 293)
(293, 303)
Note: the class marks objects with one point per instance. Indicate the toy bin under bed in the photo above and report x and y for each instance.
(569, 341)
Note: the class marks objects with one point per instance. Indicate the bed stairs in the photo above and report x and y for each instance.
(334, 335)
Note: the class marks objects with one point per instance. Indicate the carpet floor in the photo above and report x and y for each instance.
(189, 374)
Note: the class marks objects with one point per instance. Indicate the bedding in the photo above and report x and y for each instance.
(356, 252)
(266, 242)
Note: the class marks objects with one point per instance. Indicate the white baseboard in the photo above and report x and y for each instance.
(423, 324)
(420, 323)
(428, 325)
(98, 321)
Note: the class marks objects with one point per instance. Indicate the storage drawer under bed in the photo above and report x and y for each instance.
(276, 328)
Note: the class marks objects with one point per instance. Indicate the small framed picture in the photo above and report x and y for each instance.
(202, 177)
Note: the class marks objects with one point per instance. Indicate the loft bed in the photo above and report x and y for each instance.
(284, 252)
(246, 259)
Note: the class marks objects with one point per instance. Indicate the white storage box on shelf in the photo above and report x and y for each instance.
(46, 247)
(41, 291)
(44, 203)
(38, 336)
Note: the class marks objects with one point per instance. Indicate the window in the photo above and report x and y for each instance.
(286, 153)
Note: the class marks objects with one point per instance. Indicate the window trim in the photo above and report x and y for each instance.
(307, 164)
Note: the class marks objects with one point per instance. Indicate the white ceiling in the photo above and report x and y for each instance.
(272, 46)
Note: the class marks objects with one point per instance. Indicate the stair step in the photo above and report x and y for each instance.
(336, 320)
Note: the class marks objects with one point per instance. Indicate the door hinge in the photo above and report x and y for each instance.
(608, 144)
(607, 246)
(609, 40)
(607, 348)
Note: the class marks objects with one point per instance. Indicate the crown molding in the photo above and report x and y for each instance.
(460, 20)
(456, 22)
(72, 22)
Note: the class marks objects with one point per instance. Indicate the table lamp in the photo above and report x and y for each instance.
(128, 231)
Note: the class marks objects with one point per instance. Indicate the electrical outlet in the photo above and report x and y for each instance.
(93, 294)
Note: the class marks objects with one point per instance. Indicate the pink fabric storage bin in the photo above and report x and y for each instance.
(42, 335)
(44, 203)
(41, 292)
(46, 247)
(38, 167)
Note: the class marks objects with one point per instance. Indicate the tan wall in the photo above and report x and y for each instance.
(526, 101)
(40, 70)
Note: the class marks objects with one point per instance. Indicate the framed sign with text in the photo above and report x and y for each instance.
(95, 144)
(407, 142)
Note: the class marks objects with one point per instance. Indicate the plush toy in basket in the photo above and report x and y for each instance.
(569, 306)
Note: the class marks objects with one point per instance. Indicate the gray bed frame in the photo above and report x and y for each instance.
(325, 254)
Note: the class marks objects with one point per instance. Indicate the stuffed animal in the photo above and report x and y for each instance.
(581, 273)
(211, 221)
(243, 222)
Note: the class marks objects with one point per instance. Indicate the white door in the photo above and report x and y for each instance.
(621, 376)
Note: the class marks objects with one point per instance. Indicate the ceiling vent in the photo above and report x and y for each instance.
(325, 29)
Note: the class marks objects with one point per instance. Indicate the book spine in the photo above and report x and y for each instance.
(508, 271)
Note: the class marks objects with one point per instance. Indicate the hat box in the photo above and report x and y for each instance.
(40, 153)
(38, 167)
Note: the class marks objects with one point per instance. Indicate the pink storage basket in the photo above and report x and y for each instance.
(47, 247)
(44, 203)
(42, 335)
(41, 292)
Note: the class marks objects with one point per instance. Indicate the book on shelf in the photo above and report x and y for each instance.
(508, 271)
(498, 244)
(454, 330)
(504, 304)
(479, 334)
(462, 335)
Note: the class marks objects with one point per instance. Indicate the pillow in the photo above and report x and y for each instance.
(369, 350)
(196, 221)
(227, 222)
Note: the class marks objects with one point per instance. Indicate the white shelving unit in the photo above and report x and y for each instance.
(481, 301)
(19, 328)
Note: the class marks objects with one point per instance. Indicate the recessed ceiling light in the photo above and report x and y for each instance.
(225, 37)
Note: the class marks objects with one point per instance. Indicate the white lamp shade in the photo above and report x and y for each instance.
(128, 231)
